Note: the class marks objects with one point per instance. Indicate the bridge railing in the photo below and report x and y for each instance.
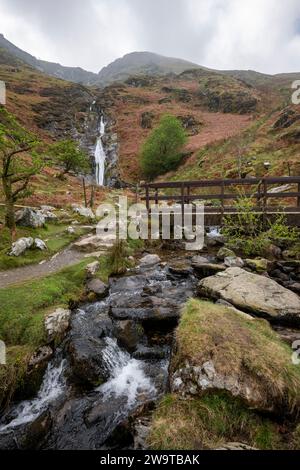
(262, 192)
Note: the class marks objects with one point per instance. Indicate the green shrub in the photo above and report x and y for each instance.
(248, 232)
(162, 151)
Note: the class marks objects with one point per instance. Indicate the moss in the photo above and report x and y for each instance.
(209, 422)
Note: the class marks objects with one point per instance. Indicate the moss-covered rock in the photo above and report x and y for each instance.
(221, 349)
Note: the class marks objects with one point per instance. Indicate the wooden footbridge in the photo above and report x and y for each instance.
(272, 195)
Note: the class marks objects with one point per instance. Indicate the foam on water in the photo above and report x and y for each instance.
(53, 386)
(128, 378)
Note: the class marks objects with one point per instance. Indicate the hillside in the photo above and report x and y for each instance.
(215, 108)
(224, 113)
(52, 109)
(73, 74)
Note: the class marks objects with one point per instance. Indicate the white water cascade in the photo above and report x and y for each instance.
(100, 155)
(127, 377)
(53, 386)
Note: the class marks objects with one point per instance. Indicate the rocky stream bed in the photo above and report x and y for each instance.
(112, 367)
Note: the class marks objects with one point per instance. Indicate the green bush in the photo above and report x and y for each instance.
(248, 232)
(162, 151)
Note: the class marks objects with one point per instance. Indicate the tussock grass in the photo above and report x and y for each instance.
(209, 422)
(241, 346)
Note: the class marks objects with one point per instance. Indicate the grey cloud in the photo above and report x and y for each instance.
(257, 34)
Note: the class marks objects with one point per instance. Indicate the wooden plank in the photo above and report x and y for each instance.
(227, 182)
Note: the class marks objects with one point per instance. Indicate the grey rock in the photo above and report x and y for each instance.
(91, 269)
(57, 323)
(96, 286)
(149, 260)
(253, 293)
(233, 262)
(30, 218)
(20, 246)
(40, 244)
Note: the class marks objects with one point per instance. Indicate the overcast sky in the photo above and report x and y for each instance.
(263, 35)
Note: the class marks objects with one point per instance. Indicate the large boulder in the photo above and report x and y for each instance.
(218, 349)
(253, 293)
(20, 246)
(86, 345)
(30, 218)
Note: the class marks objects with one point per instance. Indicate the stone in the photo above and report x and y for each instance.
(233, 262)
(235, 446)
(128, 334)
(30, 218)
(84, 211)
(93, 243)
(40, 244)
(91, 269)
(273, 251)
(43, 354)
(71, 230)
(180, 267)
(20, 246)
(253, 293)
(295, 287)
(57, 323)
(86, 345)
(47, 208)
(144, 353)
(206, 267)
(149, 260)
(259, 265)
(96, 286)
(225, 252)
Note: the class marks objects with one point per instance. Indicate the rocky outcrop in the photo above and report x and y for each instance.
(256, 294)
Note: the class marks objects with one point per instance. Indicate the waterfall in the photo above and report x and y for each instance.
(100, 155)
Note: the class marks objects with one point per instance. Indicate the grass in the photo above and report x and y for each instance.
(210, 422)
(240, 347)
(22, 312)
(54, 235)
(23, 307)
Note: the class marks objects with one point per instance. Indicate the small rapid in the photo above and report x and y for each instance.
(112, 365)
(53, 386)
(127, 376)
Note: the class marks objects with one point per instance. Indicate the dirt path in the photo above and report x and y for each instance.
(65, 258)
